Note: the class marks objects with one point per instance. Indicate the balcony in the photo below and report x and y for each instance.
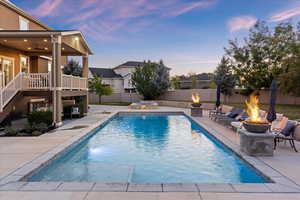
(36, 82)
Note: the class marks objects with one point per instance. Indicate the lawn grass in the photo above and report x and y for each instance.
(290, 111)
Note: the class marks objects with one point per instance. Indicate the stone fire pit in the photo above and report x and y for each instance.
(196, 110)
(256, 144)
(256, 127)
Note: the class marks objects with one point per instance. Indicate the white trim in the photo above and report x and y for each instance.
(46, 57)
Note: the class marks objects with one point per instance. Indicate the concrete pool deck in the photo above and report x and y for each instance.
(17, 152)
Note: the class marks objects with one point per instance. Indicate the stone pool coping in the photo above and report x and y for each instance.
(15, 180)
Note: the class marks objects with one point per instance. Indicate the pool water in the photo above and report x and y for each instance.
(152, 148)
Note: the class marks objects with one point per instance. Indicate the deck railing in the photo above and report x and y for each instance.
(10, 90)
(36, 81)
(73, 82)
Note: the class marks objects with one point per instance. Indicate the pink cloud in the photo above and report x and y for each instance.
(241, 22)
(286, 14)
(184, 8)
(111, 15)
(47, 8)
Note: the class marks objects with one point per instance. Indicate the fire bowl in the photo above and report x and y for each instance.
(256, 127)
(196, 105)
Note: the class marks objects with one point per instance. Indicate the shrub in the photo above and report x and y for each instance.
(41, 127)
(36, 133)
(38, 117)
(22, 134)
(9, 131)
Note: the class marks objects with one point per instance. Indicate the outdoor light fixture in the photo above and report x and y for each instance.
(5, 40)
(25, 40)
(46, 48)
(45, 40)
(29, 48)
(63, 48)
(76, 38)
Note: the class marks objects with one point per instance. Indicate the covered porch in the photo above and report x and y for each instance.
(30, 74)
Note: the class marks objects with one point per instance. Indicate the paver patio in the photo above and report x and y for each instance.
(15, 152)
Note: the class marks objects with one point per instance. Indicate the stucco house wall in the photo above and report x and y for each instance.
(116, 84)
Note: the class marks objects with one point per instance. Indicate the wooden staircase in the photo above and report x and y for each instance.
(10, 106)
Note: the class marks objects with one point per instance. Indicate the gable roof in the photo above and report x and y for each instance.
(131, 64)
(104, 72)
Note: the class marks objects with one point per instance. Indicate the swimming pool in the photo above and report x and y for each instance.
(152, 148)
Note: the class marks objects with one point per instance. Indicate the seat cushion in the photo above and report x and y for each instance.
(232, 115)
(288, 129)
(297, 132)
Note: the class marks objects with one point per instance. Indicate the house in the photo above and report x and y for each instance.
(118, 77)
(109, 77)
(32, 56)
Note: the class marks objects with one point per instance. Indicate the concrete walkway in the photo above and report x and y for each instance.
(15, 152)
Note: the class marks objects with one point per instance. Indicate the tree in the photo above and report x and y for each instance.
(290, 77)
(260, 59)
(73, 68)
(175, 81)
(95, 85)
(225, 77)
(194, 81)
(151, 80)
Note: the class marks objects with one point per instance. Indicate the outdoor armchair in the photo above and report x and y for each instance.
(287, 133)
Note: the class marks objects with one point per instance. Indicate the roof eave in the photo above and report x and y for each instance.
(42, 33)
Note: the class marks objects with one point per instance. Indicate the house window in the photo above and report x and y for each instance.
(24, 23)
(7, 70)
(24, 61)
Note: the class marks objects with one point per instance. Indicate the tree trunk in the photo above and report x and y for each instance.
(99, 99)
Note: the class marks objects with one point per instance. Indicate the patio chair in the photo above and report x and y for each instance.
(226, 121)
(235, 112)
(287, 133)
(222, 110)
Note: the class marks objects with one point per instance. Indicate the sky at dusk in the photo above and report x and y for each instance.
(189, 35)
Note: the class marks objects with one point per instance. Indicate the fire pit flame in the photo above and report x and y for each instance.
(255, 124)
(253, 109)
(196, 98)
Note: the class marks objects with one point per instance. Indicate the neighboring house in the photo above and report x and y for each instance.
(109, 77)
(118, 77)
(32, 56)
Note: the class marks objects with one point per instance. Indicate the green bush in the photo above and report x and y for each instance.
(22, 134)
(38, 117)
(9, 131)
(36, 133)
(41, 127)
